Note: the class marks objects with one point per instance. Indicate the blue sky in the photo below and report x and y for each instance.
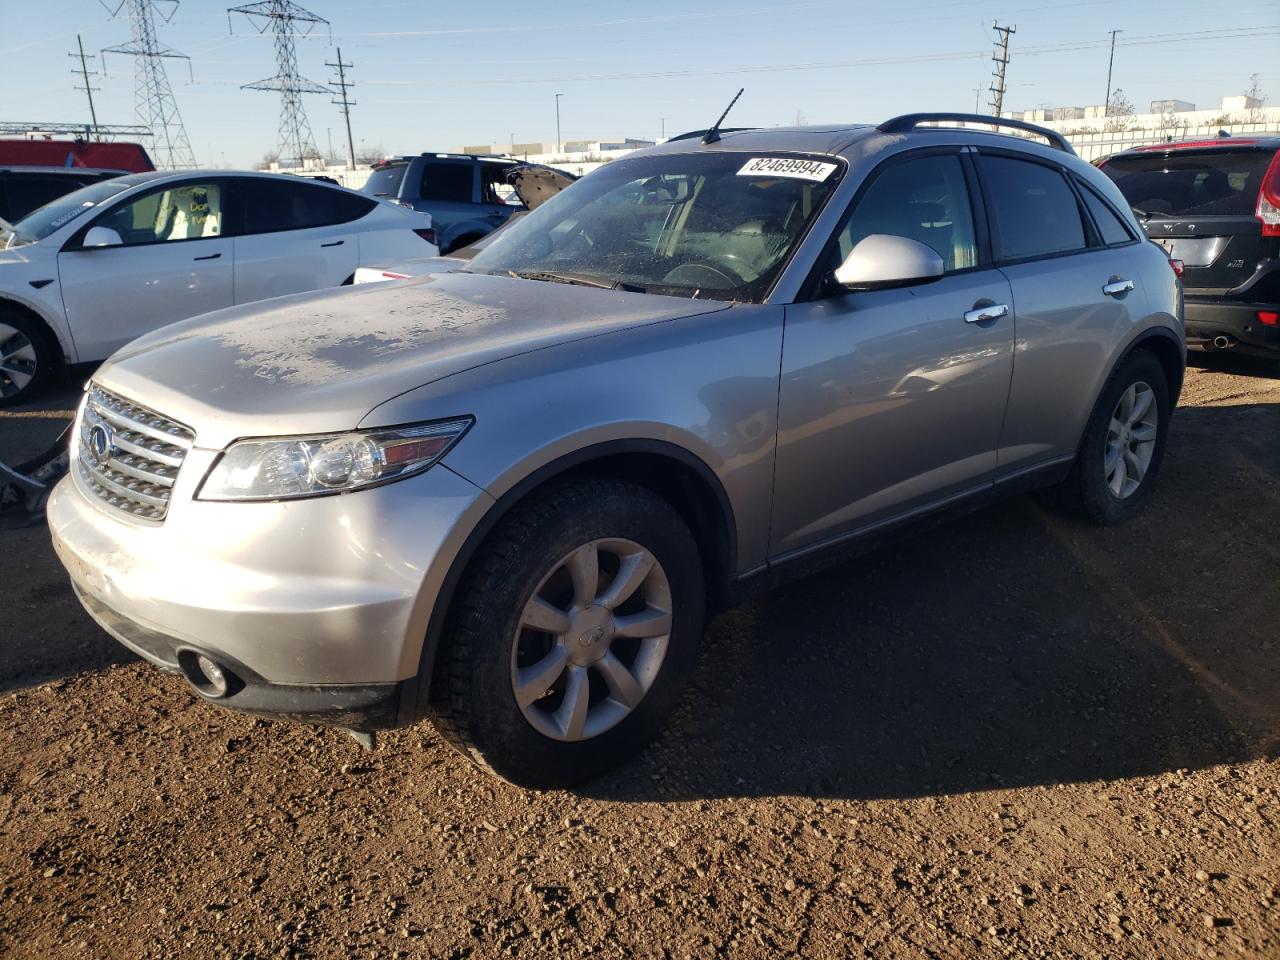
(438, 75)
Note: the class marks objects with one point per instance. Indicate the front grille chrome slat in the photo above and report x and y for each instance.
(146, 450)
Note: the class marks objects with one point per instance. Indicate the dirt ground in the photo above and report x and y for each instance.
(1011, 736)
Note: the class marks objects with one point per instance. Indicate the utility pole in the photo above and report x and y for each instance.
(558, 96)
(281, 17)
(342, 86)
(1106, 107)
(664, 127)
(1001, 60)
(154, 103)
(87, 88)
(977, 92)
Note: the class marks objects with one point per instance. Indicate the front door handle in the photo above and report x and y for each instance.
(1116, 286)
(335, 243)
(212, 256)
(982, 314)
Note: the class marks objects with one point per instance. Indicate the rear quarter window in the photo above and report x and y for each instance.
(1210, 183)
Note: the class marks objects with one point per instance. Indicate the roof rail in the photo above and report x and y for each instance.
(909, 121)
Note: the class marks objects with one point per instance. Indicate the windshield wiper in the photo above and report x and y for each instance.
(551, 276)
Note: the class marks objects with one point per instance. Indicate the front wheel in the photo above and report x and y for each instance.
(26, 358)
(1123, 444)
(572, 635)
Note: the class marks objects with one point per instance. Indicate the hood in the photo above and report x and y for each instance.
(535, 185)
(319, 362)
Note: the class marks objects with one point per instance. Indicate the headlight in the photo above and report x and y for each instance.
(281, 469)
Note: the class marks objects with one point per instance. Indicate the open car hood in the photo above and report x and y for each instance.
(535, 184)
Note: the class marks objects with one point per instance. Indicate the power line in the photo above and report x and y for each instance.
(154, 102)
(1002, 63)
(87, 88)
(281, 18)
(343, 85)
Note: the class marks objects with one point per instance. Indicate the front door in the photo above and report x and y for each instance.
(892, 400)
(172, 262)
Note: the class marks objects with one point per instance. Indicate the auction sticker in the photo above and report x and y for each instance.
(792, 167)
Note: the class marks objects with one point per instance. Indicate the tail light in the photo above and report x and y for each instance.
(1177, 267)
(1268, 212)
(1269, 318)
(428, 234)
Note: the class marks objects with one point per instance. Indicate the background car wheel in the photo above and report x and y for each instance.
(572, 634)
(26, 357)
(1123, 445)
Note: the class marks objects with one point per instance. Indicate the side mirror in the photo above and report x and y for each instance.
(102, 237)
(883, 260)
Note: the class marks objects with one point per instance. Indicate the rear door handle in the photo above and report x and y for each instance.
(212, 256)
(335, 243)
(1116, 286)
(982, 314)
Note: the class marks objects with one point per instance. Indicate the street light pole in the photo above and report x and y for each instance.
(558, 142)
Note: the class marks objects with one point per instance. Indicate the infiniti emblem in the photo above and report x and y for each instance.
(100, 444)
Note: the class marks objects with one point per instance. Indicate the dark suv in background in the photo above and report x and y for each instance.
(24, 189)
(1215, 205)
(466, 195)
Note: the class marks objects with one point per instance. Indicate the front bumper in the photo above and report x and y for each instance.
(1207, 320)
(319, 607)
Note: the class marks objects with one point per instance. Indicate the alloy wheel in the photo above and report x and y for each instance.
(591, 639)
(1131, 439)
(17, 361)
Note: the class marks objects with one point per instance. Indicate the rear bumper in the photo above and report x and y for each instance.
(1210, 320)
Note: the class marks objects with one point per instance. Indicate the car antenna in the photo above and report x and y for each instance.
(713, 135)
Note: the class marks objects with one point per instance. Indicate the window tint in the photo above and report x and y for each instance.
(924, 199)
(22, 193)
(1200, 183)
(272, 205)
(1109, 225)
(447, 181)
(1034, 212)
(187, 211)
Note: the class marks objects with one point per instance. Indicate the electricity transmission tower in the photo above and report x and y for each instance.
(88, 88)
(282, 17)
(341, 86)
(1001, 61)
(154, 103)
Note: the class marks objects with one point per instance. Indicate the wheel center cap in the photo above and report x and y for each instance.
(593, 627)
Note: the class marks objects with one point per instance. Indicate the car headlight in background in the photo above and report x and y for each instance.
(285, 468)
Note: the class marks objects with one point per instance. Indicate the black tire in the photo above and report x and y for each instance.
(19, 383)
(1084, 493)
(463, 241)
(473, 702)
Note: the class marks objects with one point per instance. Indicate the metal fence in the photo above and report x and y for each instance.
(1095, 146)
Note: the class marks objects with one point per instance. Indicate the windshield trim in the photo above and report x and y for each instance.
(761, 296)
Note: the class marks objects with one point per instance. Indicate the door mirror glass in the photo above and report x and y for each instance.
(883, 260)
(102, 237)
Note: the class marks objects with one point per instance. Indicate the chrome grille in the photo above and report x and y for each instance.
(129, 456)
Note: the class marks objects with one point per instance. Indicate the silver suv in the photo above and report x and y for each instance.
(507, 497)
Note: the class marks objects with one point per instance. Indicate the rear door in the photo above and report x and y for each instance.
(293, 236)
(1077, 289)
(1199, 204)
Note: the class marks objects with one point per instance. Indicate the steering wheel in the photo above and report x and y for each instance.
(721, 272)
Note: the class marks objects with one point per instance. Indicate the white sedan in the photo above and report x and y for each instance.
(82, 276)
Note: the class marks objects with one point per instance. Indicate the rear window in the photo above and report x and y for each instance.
(385, 180)
(272, 205)
(20, 193)
(1202, 184)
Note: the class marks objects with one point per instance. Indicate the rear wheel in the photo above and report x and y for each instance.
(1123, 445)
(572, 635)
(26, 357)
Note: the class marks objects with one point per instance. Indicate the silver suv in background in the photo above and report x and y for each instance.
(508, 496)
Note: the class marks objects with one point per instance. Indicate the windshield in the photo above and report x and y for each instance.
(1201, 184)
(716, 225)
(41, 222)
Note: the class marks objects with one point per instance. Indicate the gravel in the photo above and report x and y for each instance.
(1010, 736)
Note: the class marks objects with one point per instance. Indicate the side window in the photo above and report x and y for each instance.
(188, 211)
(1033, 211)
(493, 184)
(273, 205)
(447, 181)
(1110, 226)
(924, 199)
